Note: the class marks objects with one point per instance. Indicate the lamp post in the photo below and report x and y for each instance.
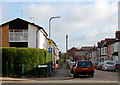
(50, 45)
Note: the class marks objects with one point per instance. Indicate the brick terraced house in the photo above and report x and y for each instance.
(79, 54)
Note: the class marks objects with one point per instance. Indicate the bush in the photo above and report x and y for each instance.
(8, 55)
(27, 58)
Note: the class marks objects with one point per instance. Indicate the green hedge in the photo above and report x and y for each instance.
(24, 61)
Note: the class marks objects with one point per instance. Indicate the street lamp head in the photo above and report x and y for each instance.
(58, 17)
(54, 17)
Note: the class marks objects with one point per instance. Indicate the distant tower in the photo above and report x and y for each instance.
(66, 43)
(66, 46)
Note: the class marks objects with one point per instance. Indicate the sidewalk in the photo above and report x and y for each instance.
(62, 72)
(14, 79)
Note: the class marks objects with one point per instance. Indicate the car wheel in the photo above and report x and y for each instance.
(92, 75)
(75, 75)
(103, 69)
(89, 75)
(115, 70)
(71, 72)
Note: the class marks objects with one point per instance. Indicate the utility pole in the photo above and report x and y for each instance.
(66, 47)
(119, 30)
(119, 16)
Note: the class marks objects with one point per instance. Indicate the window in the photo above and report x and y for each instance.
(105, 50)
(18, 35)
(84, 64)
(102, 50)
(112, 63)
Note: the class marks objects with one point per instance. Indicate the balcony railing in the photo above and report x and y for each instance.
(18, 36)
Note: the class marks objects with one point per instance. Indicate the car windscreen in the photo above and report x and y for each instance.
(84, 64)
(73, 64)
(112, 63)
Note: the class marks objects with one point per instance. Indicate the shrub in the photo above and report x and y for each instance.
(8, 56)
(29, 57)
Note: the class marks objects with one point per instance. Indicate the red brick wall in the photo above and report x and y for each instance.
(70, 52)
(118, 34)
(5, 35)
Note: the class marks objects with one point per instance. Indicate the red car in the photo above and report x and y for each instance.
(83, 68)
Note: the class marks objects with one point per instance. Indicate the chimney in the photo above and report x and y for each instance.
(117, 34)
(94, 46)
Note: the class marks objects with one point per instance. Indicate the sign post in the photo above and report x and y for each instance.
(50, 51)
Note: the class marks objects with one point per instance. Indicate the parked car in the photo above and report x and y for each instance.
(68, 64)
(68, 61)
(83, 68)
(72, 67)
(109, 65)
(57, 66)
(99, 66)
(95, 65)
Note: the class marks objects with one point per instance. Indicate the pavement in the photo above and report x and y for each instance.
(61, 74)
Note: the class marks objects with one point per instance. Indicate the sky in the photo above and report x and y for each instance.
(85, 22)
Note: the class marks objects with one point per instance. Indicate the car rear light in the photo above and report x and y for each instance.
(72, 66)
(105, 65)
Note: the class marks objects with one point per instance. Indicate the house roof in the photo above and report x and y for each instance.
(39, 27)
(87, 48)
(109, 42)
(106, 42)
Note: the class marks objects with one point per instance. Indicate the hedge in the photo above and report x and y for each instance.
(24, 61)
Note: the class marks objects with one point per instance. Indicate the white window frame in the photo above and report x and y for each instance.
(23, 33)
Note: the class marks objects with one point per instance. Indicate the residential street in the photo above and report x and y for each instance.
(63, 76)
(60, 42)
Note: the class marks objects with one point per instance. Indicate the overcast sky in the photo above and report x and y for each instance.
(86, 23)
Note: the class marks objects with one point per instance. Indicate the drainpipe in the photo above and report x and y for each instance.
(36, 38)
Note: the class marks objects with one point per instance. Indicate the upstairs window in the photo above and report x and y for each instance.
(18, 35)
(106, 50)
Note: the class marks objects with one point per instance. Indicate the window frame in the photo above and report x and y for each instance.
(22, 31)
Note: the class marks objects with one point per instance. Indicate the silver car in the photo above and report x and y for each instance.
(99, 66)
(109, 65)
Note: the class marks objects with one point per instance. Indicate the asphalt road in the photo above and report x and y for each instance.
(101, 76)
(63, 76)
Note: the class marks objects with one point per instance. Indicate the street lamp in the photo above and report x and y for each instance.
(50, 45)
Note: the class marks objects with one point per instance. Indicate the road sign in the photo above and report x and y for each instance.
(50, 42)
(42, 66)
(50, 50)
